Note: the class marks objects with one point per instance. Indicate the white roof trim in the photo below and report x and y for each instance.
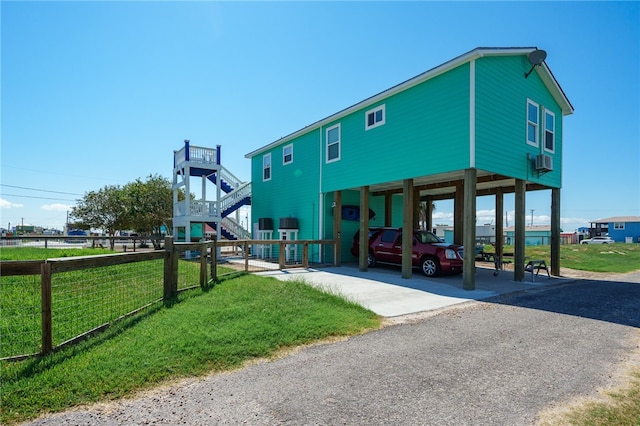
(479, 52)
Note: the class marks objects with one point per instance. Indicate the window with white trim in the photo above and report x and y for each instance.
(618, 226)
(266, 167)
(333, 143)
(287, 154)
(549, 131)
(532, 122)
(375, 117)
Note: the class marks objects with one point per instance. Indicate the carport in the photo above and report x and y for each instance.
(462, 187)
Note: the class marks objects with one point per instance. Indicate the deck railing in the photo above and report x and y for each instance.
(196, 154)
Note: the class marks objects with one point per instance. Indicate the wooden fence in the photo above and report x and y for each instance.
(206, 253)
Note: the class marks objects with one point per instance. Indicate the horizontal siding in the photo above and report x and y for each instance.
(293, 188)
(501, 102)
(426, 131)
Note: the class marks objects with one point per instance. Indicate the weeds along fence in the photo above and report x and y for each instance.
(48, 304)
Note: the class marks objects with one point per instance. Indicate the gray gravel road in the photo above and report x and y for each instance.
(498, 362)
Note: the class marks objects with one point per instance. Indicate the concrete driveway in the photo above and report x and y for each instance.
(386, 293)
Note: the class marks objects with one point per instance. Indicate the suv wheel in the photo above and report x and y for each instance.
(430, 266)
(371, 260)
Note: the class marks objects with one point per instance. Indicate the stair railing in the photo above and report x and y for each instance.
(235, 196)
(235, 228)
(229, 178)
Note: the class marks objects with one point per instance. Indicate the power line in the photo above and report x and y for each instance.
(40, 198)
(41, 190)
(22, 169)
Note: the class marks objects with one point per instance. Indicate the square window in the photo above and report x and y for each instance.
(287, 154)
(375, 117)
(618, 225)
(333, 143)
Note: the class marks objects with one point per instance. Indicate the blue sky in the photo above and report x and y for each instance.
(102, 93)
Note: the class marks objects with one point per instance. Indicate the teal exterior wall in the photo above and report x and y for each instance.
(426, 131)
(501, 119)
(293, 188)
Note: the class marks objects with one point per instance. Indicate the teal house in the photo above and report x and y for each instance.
(537, 235)
(488, 122)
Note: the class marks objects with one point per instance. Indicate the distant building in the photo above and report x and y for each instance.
(537, 235)
(623, 229)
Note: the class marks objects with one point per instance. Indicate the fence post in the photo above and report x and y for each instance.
(203, 265)
(170, 270)
(47, 323)
(214, 260)
(282, 247)
(305, 255)
(245, 251)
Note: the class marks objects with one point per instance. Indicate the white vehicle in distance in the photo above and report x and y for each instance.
(598, 240)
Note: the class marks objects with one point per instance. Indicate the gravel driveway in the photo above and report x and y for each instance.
(497, 362)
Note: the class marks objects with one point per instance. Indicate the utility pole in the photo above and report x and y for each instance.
(531, 217)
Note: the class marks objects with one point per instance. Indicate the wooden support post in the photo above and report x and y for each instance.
(281, 259)
(429, 214)
(499, 243)
(245, 251)
(388, 209)
(45, 295)
(170, 270)
(416, 209)
(469, 238)
(555, 231)
(407, 227)
(458, 214)
(305, 255)
(337, 227)
(214, 261)
(203, 265)
(518, 257)
(364, 229)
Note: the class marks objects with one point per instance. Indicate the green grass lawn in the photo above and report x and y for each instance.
(82, 299)
(619, 257)
(239, 319)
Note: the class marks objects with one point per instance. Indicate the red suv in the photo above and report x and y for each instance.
(430, 253)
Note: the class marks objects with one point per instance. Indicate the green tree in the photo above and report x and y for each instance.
(103, 209)
(150, 205)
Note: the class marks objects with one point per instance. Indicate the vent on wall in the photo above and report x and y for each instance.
(544, 163)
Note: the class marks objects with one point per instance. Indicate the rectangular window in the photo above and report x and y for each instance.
(333, 143)
(618, 225)
(549, 131)
(532, 123)
(287, 154)
(375, 117)
(266, 167)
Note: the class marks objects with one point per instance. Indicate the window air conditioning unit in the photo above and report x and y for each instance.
(544, 163)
